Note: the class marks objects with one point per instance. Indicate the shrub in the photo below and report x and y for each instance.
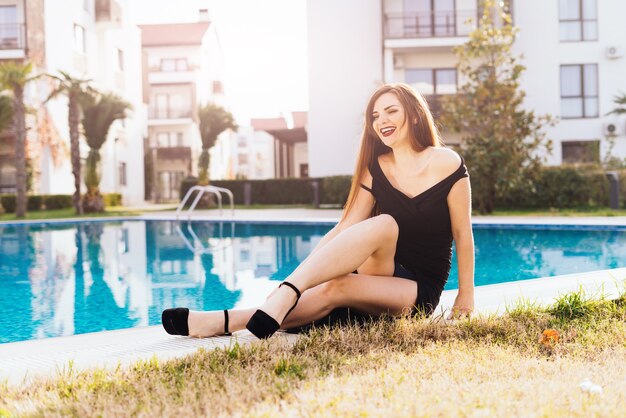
(8, 202)
(112, 199)
(335, 189)
(560, 187)
(57, 201)
(34, 202)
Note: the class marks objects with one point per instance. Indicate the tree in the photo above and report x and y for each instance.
(14, 76)
(214, 120)
(6, 112)
(75, 89)
(500, 139)
(620, 101)
(99, 113)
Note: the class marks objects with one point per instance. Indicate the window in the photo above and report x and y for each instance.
(79, 39)
(432, 81)
(580, 151)
(579, 91)
(578, 20)
(173, 64)
(243, 159)
(169, 139)
(120, 59)
(9, 29)
(122, 174)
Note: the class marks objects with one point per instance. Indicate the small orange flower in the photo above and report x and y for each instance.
(549, 337)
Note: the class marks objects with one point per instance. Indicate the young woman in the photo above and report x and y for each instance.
(392, 248)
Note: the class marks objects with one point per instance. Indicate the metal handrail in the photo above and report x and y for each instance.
(201, 190)
(198, 247)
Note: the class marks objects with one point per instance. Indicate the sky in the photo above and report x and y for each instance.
(264, 44)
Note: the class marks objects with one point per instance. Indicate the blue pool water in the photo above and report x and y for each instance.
(70, 278)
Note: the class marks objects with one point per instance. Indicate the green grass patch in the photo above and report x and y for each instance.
(490, 365)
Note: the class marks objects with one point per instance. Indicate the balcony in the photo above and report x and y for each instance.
(169, 115)
(430, 24)
(12, 40)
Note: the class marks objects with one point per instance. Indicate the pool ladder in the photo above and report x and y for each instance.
(217, 191)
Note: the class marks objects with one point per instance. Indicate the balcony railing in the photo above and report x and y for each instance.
(169, 112)
(430, 24)
(12, 36)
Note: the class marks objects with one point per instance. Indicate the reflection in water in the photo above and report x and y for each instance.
(64, 279)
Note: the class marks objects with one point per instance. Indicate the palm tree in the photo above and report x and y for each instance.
(13, 77)
(214, 120)
(74, 89)
(6, 117)
(620, 101)
(99, 113)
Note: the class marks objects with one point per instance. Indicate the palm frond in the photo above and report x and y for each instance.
(98, 116)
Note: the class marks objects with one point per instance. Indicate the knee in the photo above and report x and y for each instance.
(387, 224)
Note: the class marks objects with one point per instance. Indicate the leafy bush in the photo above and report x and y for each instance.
(560, 187)
(335, 189)
(34, 202)
(8, 202)
(57, 201)
(112, 199)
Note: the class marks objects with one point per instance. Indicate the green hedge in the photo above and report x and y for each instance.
(555, 187)
(53, 201)
(562, 187)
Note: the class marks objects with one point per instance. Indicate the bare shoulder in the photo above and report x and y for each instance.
(445, 160)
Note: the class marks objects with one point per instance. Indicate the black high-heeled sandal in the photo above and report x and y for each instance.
(175, 321)
(264, 326)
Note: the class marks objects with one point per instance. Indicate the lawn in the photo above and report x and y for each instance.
(530, 361)
(129, 211)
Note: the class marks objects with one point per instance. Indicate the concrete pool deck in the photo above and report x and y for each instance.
(22, 362)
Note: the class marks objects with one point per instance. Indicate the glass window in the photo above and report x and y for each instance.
(579, 91)
(168, 65)
(9, 29)
(122, 174)
(120, 59)
(421, 80)
(79, 38)
(578, 20)
(432, 81)
(580, 151)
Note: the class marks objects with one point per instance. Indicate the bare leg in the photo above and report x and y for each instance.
(373, 240)
(369, 245)
(370, 294)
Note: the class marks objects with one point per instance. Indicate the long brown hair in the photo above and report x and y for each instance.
(423, 134)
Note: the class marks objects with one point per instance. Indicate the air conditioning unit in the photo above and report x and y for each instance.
(398, 62)
(611, 129)
(613, 52)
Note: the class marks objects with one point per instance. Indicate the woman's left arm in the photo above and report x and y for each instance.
(460, 206)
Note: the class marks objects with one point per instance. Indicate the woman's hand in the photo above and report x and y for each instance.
(463, 306)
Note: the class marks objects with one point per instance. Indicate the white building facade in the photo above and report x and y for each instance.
(183, 67)
(88, 39)
(573, 51)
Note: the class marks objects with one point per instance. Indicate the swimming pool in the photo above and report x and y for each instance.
(70, 278)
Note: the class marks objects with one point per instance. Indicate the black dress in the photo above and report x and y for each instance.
(424, 246)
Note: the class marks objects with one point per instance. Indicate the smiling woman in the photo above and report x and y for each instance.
(390, 252)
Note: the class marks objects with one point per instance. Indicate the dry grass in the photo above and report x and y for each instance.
(496, 366)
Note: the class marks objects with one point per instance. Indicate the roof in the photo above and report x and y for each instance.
(173, 34)
(280, 129)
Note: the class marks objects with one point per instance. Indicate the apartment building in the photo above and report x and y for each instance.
(89, 39)
(573, 51)
(182, 69)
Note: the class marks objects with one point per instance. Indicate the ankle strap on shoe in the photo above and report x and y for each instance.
(226, 323)
(295, 289)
